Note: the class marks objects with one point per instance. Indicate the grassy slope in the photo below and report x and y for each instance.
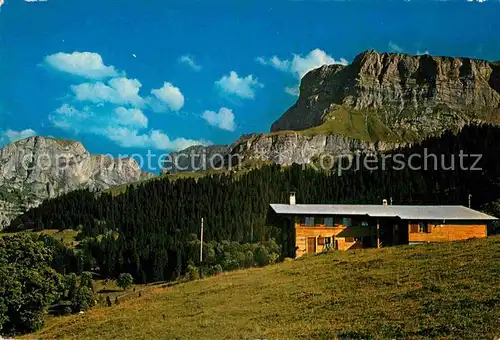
(67, 236)
(358, 125)
(435, 290)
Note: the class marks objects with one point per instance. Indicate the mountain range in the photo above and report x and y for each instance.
(37, 168)
(378, 102)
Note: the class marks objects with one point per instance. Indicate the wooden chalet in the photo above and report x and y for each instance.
(313, 228)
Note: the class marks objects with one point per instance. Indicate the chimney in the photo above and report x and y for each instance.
(384, 202)
(292, 198)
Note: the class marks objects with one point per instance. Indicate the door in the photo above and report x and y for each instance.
(311, 245)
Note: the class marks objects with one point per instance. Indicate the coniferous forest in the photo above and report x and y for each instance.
(149, 230)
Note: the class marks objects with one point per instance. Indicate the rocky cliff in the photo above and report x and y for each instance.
(195, 158)
(280, 148)
(379, 102)
(410, 96)
(38, 168)
(295, 147)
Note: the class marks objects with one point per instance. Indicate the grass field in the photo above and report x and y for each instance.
(365, 126)
(66, 236)
(449, 290)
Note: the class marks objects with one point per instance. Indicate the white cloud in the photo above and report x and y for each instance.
(131, 117)
(393, 47)
(67, 117)
(224, 119)
(292, 90)
(274, 61)
(127, 137)
(84, 64)
(120, 125)
(169, 95)
(13, 135)
(120, 91)
(1, 3)
(189, 60)
(299, 65)
(88, 119)
(241, 87)
(422, 53)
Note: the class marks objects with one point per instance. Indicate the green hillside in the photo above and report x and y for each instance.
(365, 126)
(449, 290)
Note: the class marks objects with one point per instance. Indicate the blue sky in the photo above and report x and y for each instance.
(127, 76)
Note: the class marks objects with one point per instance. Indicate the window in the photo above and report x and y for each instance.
(329, 222)
(347, 221)
(350, 239)
(423, 227)
(309, 221)
(321, 241)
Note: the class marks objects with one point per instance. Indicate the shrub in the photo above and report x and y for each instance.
(28, 286)
(87, 281)
(84, 299)
(67, 310)
(192, 272)
(217, 269)
(125, 280)
(261, 256)
(70, 286)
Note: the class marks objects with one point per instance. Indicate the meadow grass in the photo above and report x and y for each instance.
(67, 236)
(448, 290)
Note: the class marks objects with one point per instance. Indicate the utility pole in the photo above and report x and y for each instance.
(469, 199)
(201, 241)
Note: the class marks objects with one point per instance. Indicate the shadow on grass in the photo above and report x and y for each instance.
(107, 291)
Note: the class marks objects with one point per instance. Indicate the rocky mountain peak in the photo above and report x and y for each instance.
(37, 168)
(423, 94)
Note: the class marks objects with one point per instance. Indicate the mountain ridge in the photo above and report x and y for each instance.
(36, 168)
(378, 102)
(426, 94)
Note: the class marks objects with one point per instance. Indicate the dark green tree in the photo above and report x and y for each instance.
(28, 285)
(124, 281)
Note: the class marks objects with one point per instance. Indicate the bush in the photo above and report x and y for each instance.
(261, 256)
(249, 259)
(125, 280)
(70, 286)
(84, 299)
(87, 281)
(67, 310)
(217, 269)
(28, 286)
(192, 272)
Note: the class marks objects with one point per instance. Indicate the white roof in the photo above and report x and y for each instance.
(406, 212)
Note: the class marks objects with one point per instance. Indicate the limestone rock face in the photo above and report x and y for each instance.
(424, 93)
(294, 147)
(195, 158)
(37, 168)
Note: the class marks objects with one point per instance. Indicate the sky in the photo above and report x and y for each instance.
(124, 76)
